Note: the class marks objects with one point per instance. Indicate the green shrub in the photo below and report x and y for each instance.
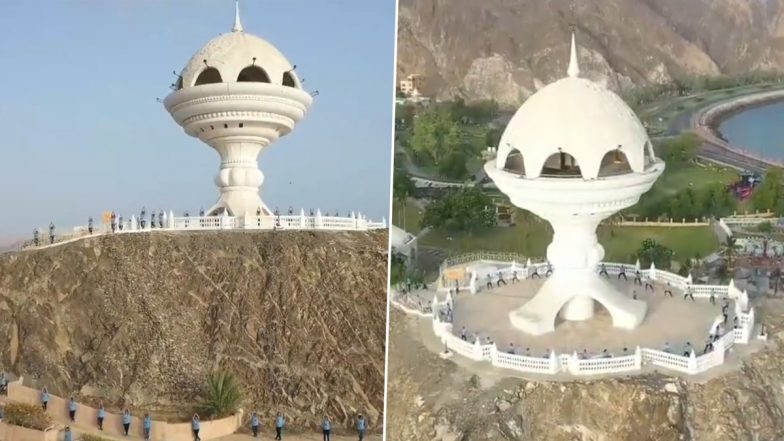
(223, 394)
(88, 437)
(31, 416)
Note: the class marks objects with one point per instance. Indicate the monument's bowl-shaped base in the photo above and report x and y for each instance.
(572, 295)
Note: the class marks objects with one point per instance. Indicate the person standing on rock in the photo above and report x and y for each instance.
(254, 424)
(361, 427)
(3, 384)
(196, 426)
(147, 426)
(44, 398)
(72, 409)
(280, 422)
(114, 222)
(36, 239)
(90, 225)
(51, 232)
(160, 218)
(68, 435)
(101, 415)
(126, 421)
(326, 427)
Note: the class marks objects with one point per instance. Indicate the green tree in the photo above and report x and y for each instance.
(453, 166)
(652, 251)
(467, 209)
(765, 227)
(730, 251)
(223, 394)
(435, 135)
(679, 151)
(769, 195)
(402, 188)
(397, 273)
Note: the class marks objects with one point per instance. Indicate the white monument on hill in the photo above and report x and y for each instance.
(238, 94)
(575, 154)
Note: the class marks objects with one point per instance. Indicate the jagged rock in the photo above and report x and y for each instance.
(299, 317)
(505, 50)
(740, 404)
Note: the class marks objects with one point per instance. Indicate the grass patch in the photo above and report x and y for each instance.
(620, 243)
(408, 219)
(673, 181)
(30, 416)
(532, 237)
(89, 437)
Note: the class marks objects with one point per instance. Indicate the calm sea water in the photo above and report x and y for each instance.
(759, 130)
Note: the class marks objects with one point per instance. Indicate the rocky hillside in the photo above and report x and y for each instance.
(141, 320)
(506, 49)
(431, 399)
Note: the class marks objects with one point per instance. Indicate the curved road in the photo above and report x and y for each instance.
(713, 148)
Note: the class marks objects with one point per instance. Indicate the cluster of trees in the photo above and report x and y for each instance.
(769, 195)
(652, 251)
(713, 200)
(466, 209)
(685, 85)
(398, 270)
(680, 151)
(448, 134)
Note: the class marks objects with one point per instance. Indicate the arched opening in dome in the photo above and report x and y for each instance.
(614, 163)
(560, 165)
(649, 157)
(514, 163)
(288, 80)
(253, 74)
(208, 76)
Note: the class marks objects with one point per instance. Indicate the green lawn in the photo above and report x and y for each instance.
(696, 177)
(407, 219)
(532, 237)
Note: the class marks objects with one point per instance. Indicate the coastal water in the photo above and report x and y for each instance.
(760, 130)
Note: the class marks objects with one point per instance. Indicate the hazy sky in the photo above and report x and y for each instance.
(83, 133)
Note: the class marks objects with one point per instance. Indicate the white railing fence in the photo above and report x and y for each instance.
(169, 222)
(577, 365)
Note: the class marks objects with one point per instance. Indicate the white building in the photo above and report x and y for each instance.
(575, 154)
(238, 94)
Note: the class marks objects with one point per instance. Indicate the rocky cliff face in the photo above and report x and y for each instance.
(141, 319)
(507, 49)
(437, 400)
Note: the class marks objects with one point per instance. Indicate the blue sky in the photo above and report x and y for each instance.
(83, 133)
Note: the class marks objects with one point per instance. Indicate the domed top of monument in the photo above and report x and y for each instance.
(579, 118)
(236, 57)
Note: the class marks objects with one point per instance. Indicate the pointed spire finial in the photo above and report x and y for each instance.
(237, 25)
(574, 68)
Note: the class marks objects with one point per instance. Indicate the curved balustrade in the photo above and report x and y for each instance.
(170, 222)
(574, 364)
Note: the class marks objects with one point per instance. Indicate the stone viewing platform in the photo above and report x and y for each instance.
(469, 314)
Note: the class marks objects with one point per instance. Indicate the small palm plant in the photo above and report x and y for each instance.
(223, 394)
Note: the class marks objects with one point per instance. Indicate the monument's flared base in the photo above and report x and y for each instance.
(239, 203)
(571, 295)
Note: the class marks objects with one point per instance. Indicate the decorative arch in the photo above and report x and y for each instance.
(514, 163)
(561, 164)
(288, 80)
(614, 163)
(253, 74)
(208, 76)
